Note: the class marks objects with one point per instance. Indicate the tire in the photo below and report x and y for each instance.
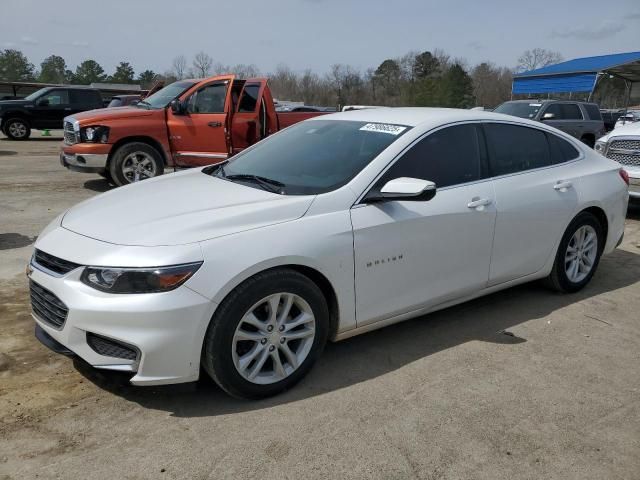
(17, 129)
(565, 277)
(222, 353)
(135, 161)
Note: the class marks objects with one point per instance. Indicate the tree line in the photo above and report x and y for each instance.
(428, 78)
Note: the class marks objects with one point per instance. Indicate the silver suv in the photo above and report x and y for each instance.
(579, 119)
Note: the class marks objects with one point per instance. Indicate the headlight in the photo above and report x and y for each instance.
(97, 134)
(138, 280)
(600, 147)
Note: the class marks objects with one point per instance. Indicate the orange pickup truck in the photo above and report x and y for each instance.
(186, 124)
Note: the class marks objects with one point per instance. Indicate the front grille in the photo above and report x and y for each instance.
(55, 264)
(69, 134)
(110, 348)
(46, 306)
(625, 152)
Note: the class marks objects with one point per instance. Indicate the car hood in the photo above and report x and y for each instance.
(14, 103)
(114, 113)
(180, 208)
(623, 130)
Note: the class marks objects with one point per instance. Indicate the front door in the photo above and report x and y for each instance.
(413, 254)
(201, 136)
(51, 108)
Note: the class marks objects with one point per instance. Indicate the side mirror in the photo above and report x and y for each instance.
(548, 116)
(407, 189)
(178, 107)
(43, 102)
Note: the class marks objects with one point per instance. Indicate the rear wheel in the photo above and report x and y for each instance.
(17, 129)
(266, 335)
(134, 162)
(578, 254)
(588, 140)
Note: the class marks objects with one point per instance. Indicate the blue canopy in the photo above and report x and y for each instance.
(577, 75)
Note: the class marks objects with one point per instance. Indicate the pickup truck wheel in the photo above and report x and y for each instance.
(135, 161)
(17, 129)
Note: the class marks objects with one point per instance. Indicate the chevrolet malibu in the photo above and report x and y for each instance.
(331, 228)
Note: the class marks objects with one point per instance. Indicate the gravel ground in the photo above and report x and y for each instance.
(524, 383)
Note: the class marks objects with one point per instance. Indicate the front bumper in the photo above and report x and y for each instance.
(86, 162)
(166, 329)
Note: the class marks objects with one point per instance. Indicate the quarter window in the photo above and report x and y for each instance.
(561, 150)
(513, 148)
(447, 157)
(209, 99)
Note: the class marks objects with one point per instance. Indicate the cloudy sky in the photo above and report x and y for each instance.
(313, 33)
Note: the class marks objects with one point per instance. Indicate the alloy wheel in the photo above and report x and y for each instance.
(581, 253)
(17, 129)
(138, 166)
(273, 338)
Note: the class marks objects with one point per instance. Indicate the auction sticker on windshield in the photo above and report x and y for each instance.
(383, 128)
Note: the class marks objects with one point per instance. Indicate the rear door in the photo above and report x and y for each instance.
(536, 194)
(567, 117)
(202, 135)
(249, 123)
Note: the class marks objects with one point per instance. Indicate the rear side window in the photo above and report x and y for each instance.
(592, 111)
(564, 111)
(249, 99)
(514, 148)
(84, 97)
(561, 150)
(447, 157)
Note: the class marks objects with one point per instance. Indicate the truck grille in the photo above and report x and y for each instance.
(625, 152)
(69, 134)
(54, 264)
(46, 306)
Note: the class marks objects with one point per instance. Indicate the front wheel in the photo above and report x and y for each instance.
(134, 162)
(266, 335)
(578, 254)
(17, 129)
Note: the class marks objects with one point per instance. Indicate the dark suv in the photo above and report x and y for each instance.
(45, 109)
(581, 120)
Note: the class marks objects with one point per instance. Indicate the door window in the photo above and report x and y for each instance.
(249, 98)
(593, 111)
(84, 97)
(514, 148)
(57, 97)
(209, 99)
(561, 150)
(450, 156)
(564, 111)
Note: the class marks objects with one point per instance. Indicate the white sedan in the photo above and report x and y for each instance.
(333, 227)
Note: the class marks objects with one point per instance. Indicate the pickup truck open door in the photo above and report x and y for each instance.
(254, 117)
(201, 134)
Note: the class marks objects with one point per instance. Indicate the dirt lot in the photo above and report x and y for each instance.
(521, 384)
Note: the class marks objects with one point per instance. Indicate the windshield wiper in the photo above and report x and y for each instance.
(266, 183)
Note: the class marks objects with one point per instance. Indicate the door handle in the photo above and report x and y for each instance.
(562, 185)
(215, 124)
(478, 203)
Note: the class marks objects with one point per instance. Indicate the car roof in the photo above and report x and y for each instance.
(423, 116)
(547, 100)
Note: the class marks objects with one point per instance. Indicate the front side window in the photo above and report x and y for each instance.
(56, 97)
(514, 148)
(209, 99)
(450, 156)
(312, 157)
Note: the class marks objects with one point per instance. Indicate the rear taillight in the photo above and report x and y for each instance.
(624, 175)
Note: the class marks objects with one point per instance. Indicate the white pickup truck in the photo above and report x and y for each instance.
(623, 146)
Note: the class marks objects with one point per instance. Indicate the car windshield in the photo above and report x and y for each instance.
(36, 94)
(311, 157)
(163, 97)
(519, 109)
